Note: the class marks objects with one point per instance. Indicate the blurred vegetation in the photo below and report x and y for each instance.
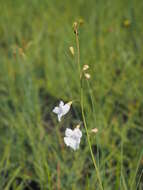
(37, 70)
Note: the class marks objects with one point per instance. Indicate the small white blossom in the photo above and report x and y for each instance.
(62, 109)
(72, 138)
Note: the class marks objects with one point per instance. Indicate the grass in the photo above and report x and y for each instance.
(37, 70)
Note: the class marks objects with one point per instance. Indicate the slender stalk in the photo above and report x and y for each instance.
(77, 45)
(82, 106)
(89, 143)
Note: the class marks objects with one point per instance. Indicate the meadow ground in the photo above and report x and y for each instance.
(37, 70)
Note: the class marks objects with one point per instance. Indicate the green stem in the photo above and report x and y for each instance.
(88, 140)
(78, 52)
(82, 109)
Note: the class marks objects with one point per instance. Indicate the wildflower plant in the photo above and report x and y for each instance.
(81, 79)
(73, 137)
(38, 63)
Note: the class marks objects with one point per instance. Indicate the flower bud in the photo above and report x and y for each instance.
(87, 75)
(85, 67)
(95, 130)
(71, 50)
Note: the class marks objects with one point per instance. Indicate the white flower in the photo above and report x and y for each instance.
(72, 138)
(62, 109)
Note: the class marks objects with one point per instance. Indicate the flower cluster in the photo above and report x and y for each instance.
(72, 137)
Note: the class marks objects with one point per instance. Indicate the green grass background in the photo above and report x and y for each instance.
(32, 152)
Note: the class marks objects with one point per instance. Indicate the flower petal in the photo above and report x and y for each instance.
(56, 110)
(77, 133)
(68, 132)
(59, 117)
(65, 109)
(61, 103)
(71, 143)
